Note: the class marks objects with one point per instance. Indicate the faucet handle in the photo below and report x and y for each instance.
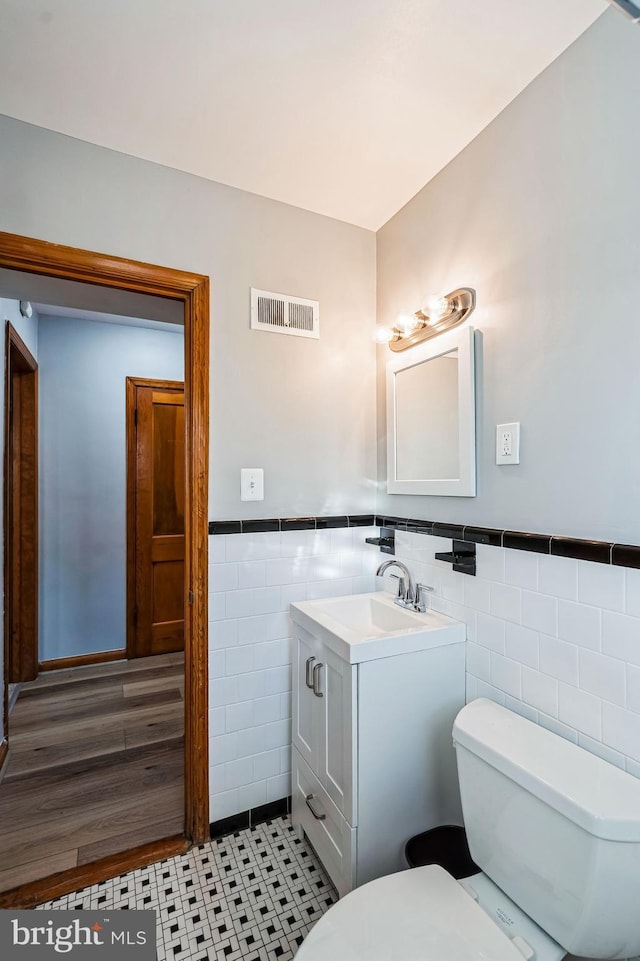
(420, 602)
(401, 593)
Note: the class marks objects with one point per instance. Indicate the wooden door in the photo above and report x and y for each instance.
(21, 511)
(155, 509)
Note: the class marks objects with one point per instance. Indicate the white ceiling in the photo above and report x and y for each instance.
(344, 107)
(46, 311)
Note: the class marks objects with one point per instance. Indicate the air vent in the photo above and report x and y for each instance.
(284, 314)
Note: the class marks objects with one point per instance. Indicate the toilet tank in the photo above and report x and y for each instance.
(557, 828)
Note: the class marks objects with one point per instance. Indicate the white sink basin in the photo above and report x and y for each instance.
(362, 627)
(371, 615)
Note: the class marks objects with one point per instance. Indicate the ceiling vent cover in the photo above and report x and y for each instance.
(284, 314)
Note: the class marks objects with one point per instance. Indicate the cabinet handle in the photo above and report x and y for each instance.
(308, 680)
(316, 680)
(319, 817)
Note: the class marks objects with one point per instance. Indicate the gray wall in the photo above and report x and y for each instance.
(540, 214)
(28, 331)
(82, 371)
(304, 410)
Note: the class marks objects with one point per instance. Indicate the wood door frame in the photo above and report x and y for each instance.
(132, 383)
(20, 554)
(70, 263)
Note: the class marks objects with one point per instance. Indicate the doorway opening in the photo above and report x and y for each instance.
(192, 290)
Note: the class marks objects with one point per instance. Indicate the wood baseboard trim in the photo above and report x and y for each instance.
(82, 660)
(64, 882)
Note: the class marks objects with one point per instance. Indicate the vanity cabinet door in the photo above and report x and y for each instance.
(336, 682)
(324, 718)
(306, 720)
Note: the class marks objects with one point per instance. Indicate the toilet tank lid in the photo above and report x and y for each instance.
(592, 793)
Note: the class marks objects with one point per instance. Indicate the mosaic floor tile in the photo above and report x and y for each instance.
(251, 896)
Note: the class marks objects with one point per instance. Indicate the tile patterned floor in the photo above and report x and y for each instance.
(251, 896)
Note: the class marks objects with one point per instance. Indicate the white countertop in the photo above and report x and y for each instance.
(364, 627)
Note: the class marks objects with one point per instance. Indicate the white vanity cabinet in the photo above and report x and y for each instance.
(325, 717)
(373, 761)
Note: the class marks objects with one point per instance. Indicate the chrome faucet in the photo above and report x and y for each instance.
(409, 595)
(406, 593)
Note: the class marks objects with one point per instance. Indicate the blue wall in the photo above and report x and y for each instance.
(82, 370)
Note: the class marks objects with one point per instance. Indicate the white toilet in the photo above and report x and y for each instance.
(552, 826)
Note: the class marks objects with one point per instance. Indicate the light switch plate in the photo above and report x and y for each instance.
(508, 443)
(251, 484)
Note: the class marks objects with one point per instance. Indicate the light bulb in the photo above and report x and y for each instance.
(435, 307)
(383, 335)
(405, 323)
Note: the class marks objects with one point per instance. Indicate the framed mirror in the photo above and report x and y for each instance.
(431, 437)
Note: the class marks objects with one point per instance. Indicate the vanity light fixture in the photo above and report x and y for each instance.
(437, 315)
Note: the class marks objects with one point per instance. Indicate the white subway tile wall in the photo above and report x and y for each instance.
(252, 580)
(554, 639)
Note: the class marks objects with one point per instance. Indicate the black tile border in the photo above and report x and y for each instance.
(419, 527)
(361, 520)
(297, 523)
(269, 811)
(519, 541)
(448, 530)
(225, 527)
(582, 549)
(250, 818)
(324, 523)
(260, 525)
(399, 522)
(484, 535)
(597, 551)
(625, 555)
(237, 822)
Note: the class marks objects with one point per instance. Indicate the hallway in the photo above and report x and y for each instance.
(96, 766)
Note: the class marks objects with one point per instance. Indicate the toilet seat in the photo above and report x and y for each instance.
(417, 915)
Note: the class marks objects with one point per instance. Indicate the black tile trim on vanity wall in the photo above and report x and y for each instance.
(625, 555)
(291, 524)
(600, 552)
(519, 541)
(249, 819)
(484, 535)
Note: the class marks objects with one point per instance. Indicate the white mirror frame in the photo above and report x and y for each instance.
(465, 484)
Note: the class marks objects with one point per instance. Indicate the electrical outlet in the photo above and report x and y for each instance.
(508, 443)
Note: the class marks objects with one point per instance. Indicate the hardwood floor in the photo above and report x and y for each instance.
(96, 765)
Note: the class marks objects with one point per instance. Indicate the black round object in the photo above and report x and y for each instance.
(445, 845)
